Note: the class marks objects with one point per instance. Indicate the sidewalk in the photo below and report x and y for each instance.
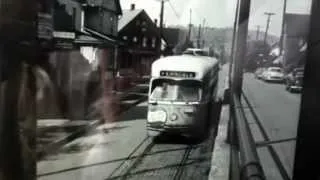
(221, 153)
(53, 133)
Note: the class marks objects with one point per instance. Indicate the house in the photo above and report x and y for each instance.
(295, 36)
(80, 26)
(142, 39)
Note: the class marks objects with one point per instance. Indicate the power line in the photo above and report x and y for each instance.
(174, 10)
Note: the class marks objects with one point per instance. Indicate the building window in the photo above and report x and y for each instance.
(138, 22)
(125, 37)
(144, 23)
(144, 42)
(135, 39)
(112, 25)
(154, 42)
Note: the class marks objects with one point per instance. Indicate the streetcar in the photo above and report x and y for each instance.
(181, 92)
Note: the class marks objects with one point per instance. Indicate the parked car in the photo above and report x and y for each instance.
(294, 80)
(273, 74)
(259, 72)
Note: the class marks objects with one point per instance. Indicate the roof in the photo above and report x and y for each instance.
(118, 7)
(103, 37)
(104, 3)
(127, 17)
(197, 64)
(297, 24)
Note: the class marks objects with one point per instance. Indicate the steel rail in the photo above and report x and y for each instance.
(250, 167)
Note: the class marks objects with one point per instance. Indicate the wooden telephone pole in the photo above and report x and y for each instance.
(161, 26)
(258, 32)
(199, 37)
(269, 14)
(190, 27)
(282, 28)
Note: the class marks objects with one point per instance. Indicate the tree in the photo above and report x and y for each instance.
(257, 52)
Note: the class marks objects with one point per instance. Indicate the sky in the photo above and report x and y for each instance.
(219, 13)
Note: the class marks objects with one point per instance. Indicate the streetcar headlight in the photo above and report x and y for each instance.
(157, 116)
(174, 117)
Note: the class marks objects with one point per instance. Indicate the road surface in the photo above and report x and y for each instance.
(279, 111)
(121, 150)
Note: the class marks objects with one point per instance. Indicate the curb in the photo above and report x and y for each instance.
(221, 153)
(54, 146)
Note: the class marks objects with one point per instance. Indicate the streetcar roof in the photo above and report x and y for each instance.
(199, 65)
(195, 49)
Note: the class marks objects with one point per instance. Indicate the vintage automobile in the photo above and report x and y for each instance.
(294, 80)
(259, 72)
(273, 74)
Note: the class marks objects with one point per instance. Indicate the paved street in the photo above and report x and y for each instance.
(278, 111)
(107, 152)
(122, 150)
(112, 150)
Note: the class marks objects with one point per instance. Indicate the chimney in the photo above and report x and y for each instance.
(156, 22)
(133, 7)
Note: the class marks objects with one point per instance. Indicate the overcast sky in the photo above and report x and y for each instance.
(219, 13)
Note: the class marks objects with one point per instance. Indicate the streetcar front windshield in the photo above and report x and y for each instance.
(177, 91)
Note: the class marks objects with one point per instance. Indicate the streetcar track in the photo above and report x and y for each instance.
(131, 156)
(180, 168)
(137, 161)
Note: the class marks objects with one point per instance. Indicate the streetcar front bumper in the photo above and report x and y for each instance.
(155, 130)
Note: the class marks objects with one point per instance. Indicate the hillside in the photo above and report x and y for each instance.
(217, 37)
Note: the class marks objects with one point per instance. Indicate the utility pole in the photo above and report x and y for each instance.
(203, 31)
(161, 26)
(258, 32)
(190, 26)
(269, 14)
(282, 28)
(199, 36)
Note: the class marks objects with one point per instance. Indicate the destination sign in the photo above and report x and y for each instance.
(178, 74)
